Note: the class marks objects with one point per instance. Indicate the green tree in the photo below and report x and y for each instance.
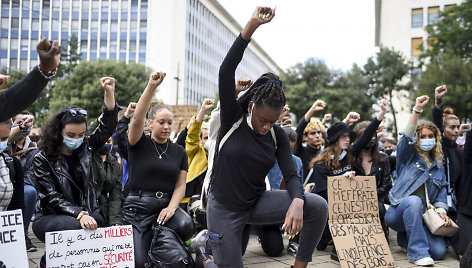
(83, 88)
(343, 92)
(451, 34)
(456, 74)
(69, 57)
(384, 74)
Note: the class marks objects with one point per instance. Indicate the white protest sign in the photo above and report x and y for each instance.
(12, 239)
(110, 247)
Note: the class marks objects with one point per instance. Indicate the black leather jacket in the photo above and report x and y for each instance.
(55, 184)
(383, 178)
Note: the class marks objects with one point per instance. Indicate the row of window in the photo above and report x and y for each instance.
(66, 4)
(416, 45)
(433, 15)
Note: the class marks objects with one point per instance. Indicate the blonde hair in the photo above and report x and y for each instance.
(313, 125)
(436, 152)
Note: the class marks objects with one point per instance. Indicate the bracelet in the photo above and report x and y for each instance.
(45, 74)
(417, 111)
(81, 214)
(438, 101)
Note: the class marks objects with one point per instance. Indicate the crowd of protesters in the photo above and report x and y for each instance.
(243, 166)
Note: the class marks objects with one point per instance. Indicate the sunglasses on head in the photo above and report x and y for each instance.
(77, 111)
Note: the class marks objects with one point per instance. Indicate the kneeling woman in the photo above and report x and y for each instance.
(63, 168)
(238, 193)
(157, 173)
(420, 169)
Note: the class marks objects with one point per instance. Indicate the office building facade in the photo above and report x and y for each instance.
(187, 39)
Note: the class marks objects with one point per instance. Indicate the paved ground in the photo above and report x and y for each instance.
(255, 257)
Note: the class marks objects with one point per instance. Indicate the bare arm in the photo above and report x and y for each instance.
(136, 127)
(177, 196)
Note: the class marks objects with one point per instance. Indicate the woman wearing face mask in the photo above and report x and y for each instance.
(238, 193)
(107, 175)
(63, 168)
(337, 157)
(157, 173)
(419, 168)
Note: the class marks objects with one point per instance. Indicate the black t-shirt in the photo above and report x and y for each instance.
(305, 153)
(76, 175)
(147, 172)
(246, 157)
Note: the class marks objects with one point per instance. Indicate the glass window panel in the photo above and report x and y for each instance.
(5, 23)
(113, 44)
(24, 65)
(83, 46)
(122, 45)
(45, 25)
(143, 26)
(124, 5)
(104, 26)
(103, 46)
(35, 25)
(94, 25)
(75, 4)
(114, 26)
(93, 45)
(75, 25)
(65, 25)
(25, 24)
(36, 5)
(433, 15)
(15, 23)
(104, 5)
(85, 5)
(55, 25)
(13, 43)
(132, 46)
(95, 5)
(115, 5)
(13, 63)
(46, 4)
(84, 25)
(3, 43)
(416, 48)
(417, 18)
(65, 4)
(142, 45)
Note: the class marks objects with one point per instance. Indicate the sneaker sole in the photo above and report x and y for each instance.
(31, 250)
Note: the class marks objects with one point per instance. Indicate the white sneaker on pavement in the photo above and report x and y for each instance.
(423, 262)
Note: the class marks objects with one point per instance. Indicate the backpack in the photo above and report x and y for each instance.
(167, 250)
(11, 167)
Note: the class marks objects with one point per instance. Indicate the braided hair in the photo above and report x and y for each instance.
(266, 90)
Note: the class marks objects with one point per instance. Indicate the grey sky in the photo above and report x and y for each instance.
(339, 31)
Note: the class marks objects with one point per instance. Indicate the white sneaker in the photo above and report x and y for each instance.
(423, 262)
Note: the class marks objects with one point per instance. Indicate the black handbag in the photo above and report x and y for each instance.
(167, 250)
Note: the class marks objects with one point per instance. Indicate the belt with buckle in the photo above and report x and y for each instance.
(158, 194)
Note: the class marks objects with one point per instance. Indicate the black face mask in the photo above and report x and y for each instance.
(105, 149)
(389, 152)
(371, 144)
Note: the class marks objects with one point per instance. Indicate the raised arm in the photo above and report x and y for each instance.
(371, 130)
(318, 105)
(437, 114)
(136, 127)
(22, 94)
(230, 110)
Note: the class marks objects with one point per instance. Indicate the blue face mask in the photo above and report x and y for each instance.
(72, 143)
(427, 144)
(343, 154)
(3, 146)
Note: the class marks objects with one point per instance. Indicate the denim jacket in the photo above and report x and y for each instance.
(413, 172)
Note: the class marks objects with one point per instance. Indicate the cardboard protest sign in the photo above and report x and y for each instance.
(354, 223)
(185, 112)
(110, 247)
(12, 239)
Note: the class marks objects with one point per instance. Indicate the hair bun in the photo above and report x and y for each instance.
(448, 111)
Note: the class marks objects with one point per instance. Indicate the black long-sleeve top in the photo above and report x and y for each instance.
(121, 136)
(246, 157)
(321, 171)
(305, 153)
(453, 154)
(465, 200)
(22, 94)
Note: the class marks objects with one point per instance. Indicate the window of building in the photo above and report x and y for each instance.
(115, 5)
(75, 5)
(95, 5)
(84, 25)
(5, 3)
(103, 46)
(431, 42)
(85, 5)
(46, 4)
(132, 46)
(133, 25)
(65, 25)
(124, 5)
(113, 44)
(25, 24)
(142, 46)
(55, 25)
(134, 5)
(36, 5)
(93, 45)
(416, 18)
(24, 45)
(56, 4)
(3, 43)
(74, 25)
(104, 5)
(123, 46)
(13, 63)
(416, 48)
(5, 23)
(114, 26)
(13, 43)
(65, 4)
(94, 25)
(26, 4)
(15, 23)
(143, 26)
(104, 26)
(433, 15)
(83, 46)
(24, 65)
(45, 25)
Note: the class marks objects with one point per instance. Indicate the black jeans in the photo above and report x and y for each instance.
(271, 208)
(141, 212)
(57, 222)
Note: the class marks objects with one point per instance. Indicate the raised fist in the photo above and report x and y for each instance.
(383, 104)
(421, 102)
(327, 117)
(49, 53)
(243, 84)
(319, 105)
(156, 78)
(4, 80)
(130, 110)
(440, 91)
(352, 117)
(263, 15)
(108, 84)
(207, 104)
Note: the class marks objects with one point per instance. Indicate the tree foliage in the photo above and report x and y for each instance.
(384, 74)
(83, 88)
(343, 92)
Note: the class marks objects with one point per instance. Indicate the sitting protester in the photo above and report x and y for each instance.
(63, 168)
